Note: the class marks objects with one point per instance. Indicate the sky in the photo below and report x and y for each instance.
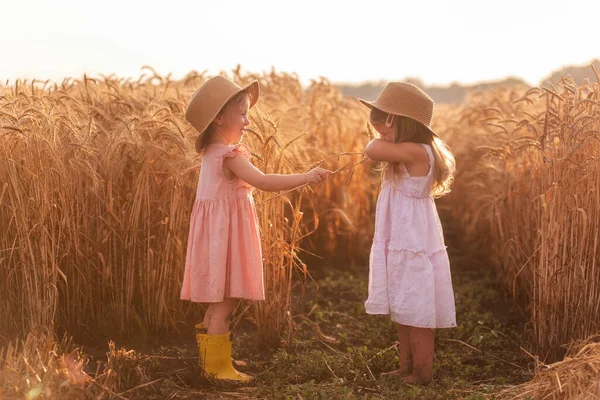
(438, 41)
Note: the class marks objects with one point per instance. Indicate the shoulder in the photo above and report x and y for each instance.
(412, 147)
(232, 151)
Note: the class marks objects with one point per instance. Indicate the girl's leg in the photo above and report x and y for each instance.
(405, 352)
(205, 322)
(207, 315)
(214, 347)
(421, 345)
(218, 322)
(406, 362)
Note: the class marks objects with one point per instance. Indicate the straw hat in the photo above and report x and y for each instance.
(211, 97)
(404, 99)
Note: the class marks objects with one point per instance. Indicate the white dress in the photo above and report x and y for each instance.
(409, 276)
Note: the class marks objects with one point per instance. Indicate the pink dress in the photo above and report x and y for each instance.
(409, 270)
(224, 257)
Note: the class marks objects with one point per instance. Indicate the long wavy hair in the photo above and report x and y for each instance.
(409, 130)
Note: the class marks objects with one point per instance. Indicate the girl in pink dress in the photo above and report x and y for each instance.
(224, 258)
(409, 271)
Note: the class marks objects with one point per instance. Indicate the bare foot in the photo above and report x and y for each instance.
(402, 372)
(415, 380)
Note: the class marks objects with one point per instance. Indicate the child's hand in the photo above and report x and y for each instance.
(316, 175)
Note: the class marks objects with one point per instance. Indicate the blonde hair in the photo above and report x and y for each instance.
(409, 130)
(203, 140)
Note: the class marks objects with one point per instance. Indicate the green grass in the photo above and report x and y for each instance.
(339, 351)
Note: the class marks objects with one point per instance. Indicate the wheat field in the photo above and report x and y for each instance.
(98, 176)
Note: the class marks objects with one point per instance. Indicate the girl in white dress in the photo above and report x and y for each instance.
(409, 275)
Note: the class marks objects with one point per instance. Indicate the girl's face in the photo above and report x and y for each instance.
(232, 121)
(378, 119)
(386, 132)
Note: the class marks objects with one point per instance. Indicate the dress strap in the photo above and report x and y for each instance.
(431, 157)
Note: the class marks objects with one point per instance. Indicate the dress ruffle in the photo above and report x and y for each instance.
(409, 270)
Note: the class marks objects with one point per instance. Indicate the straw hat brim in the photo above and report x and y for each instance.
(373, 104)
(253, 90)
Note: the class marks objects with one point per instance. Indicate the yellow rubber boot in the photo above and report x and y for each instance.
(215, 358)
(200, 328)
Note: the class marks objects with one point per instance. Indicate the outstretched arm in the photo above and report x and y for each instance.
(243, 169)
